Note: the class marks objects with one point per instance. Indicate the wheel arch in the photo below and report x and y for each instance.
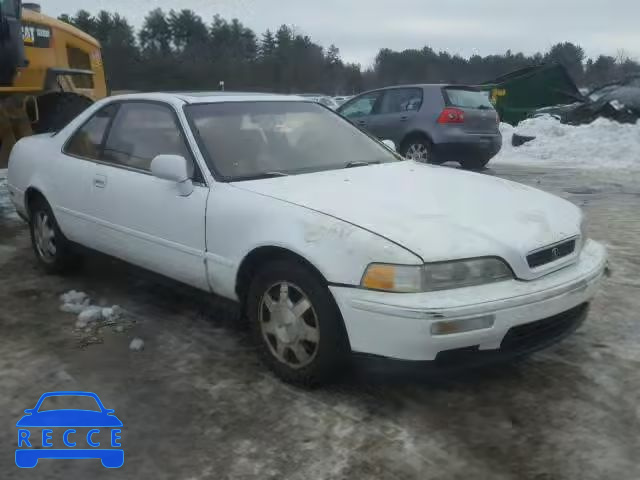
(415, 134)
(262, 255)
(31, 194)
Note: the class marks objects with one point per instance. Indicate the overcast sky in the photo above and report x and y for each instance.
(361, 27)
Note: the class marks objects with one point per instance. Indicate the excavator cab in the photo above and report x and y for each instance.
(11, 42)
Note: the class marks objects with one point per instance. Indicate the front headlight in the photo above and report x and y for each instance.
(465, 273)
(435, 276)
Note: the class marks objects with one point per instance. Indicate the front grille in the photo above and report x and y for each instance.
(535, 335)
(518, 341)
(551, 254)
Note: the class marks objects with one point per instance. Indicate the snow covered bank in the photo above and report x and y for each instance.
(601, 144)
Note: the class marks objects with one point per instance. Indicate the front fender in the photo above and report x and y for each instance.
(239, 221)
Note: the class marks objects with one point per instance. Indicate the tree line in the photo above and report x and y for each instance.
(178, 50)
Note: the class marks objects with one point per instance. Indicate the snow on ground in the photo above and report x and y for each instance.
(601, 144)
(6, 207)
(92, 318)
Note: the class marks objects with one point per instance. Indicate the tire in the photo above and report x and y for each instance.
(53, 251)
(418, 148)
(57, 109)
(475, 163)
(325, 348)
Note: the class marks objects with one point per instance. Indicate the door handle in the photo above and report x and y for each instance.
(362, 122)
(100, 181)
(404, 118)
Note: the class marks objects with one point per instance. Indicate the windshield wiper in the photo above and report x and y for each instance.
(359, 163)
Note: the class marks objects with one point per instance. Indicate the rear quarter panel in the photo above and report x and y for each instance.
(30, 166)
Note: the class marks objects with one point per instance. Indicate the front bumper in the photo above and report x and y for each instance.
(398, 325)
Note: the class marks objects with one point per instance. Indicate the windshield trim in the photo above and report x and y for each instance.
(219, 177)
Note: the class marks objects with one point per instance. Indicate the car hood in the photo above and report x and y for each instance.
(438, 213)
(69, 418)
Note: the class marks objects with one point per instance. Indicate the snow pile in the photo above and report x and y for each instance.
(91, 316)
(136, 345)
(601, 144)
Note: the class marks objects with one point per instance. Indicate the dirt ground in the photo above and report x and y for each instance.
(197, 404)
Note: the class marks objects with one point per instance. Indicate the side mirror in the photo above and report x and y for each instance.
(390, 144)
(174, 168)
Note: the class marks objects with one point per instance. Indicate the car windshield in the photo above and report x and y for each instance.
(69, 402)
(247, 140)
(467, 98)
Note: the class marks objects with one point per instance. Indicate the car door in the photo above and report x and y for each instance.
(362, 109)
(397, 112)
(74, 167)
(143, 219)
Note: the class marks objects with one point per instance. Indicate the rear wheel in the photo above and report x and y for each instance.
(296, 324)
(52, 249)
(417, 148)
(57, 109)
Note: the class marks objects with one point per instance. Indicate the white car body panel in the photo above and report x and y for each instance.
(239, 221)
(144, 220)
(339, 221)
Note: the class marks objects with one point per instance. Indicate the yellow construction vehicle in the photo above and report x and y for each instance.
(50, 71)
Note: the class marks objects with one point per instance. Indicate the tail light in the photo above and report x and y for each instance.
(451, 115)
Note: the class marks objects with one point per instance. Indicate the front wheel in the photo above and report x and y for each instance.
(296, 324)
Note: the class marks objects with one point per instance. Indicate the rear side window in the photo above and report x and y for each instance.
(140, 132)
(87, 141)
(467, 98)
(401, 100)
(361, 106)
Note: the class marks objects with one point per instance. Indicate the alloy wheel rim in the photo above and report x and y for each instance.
(45, 237)
(418, 152)
(289, 324)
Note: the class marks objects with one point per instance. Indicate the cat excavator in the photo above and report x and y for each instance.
(50, 72)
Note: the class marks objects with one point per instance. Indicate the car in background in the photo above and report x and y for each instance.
(322, 99)
(431, 123)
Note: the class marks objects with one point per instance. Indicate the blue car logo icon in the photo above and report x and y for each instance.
(97, 422)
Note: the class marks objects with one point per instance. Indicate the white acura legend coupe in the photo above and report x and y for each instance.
(332, 243)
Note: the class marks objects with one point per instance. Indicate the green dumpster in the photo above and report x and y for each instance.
(517, 94)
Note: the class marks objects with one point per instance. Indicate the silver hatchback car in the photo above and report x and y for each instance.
(431, 123)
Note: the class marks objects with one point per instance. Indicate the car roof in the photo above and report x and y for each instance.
(209, 97)
(422, 85)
